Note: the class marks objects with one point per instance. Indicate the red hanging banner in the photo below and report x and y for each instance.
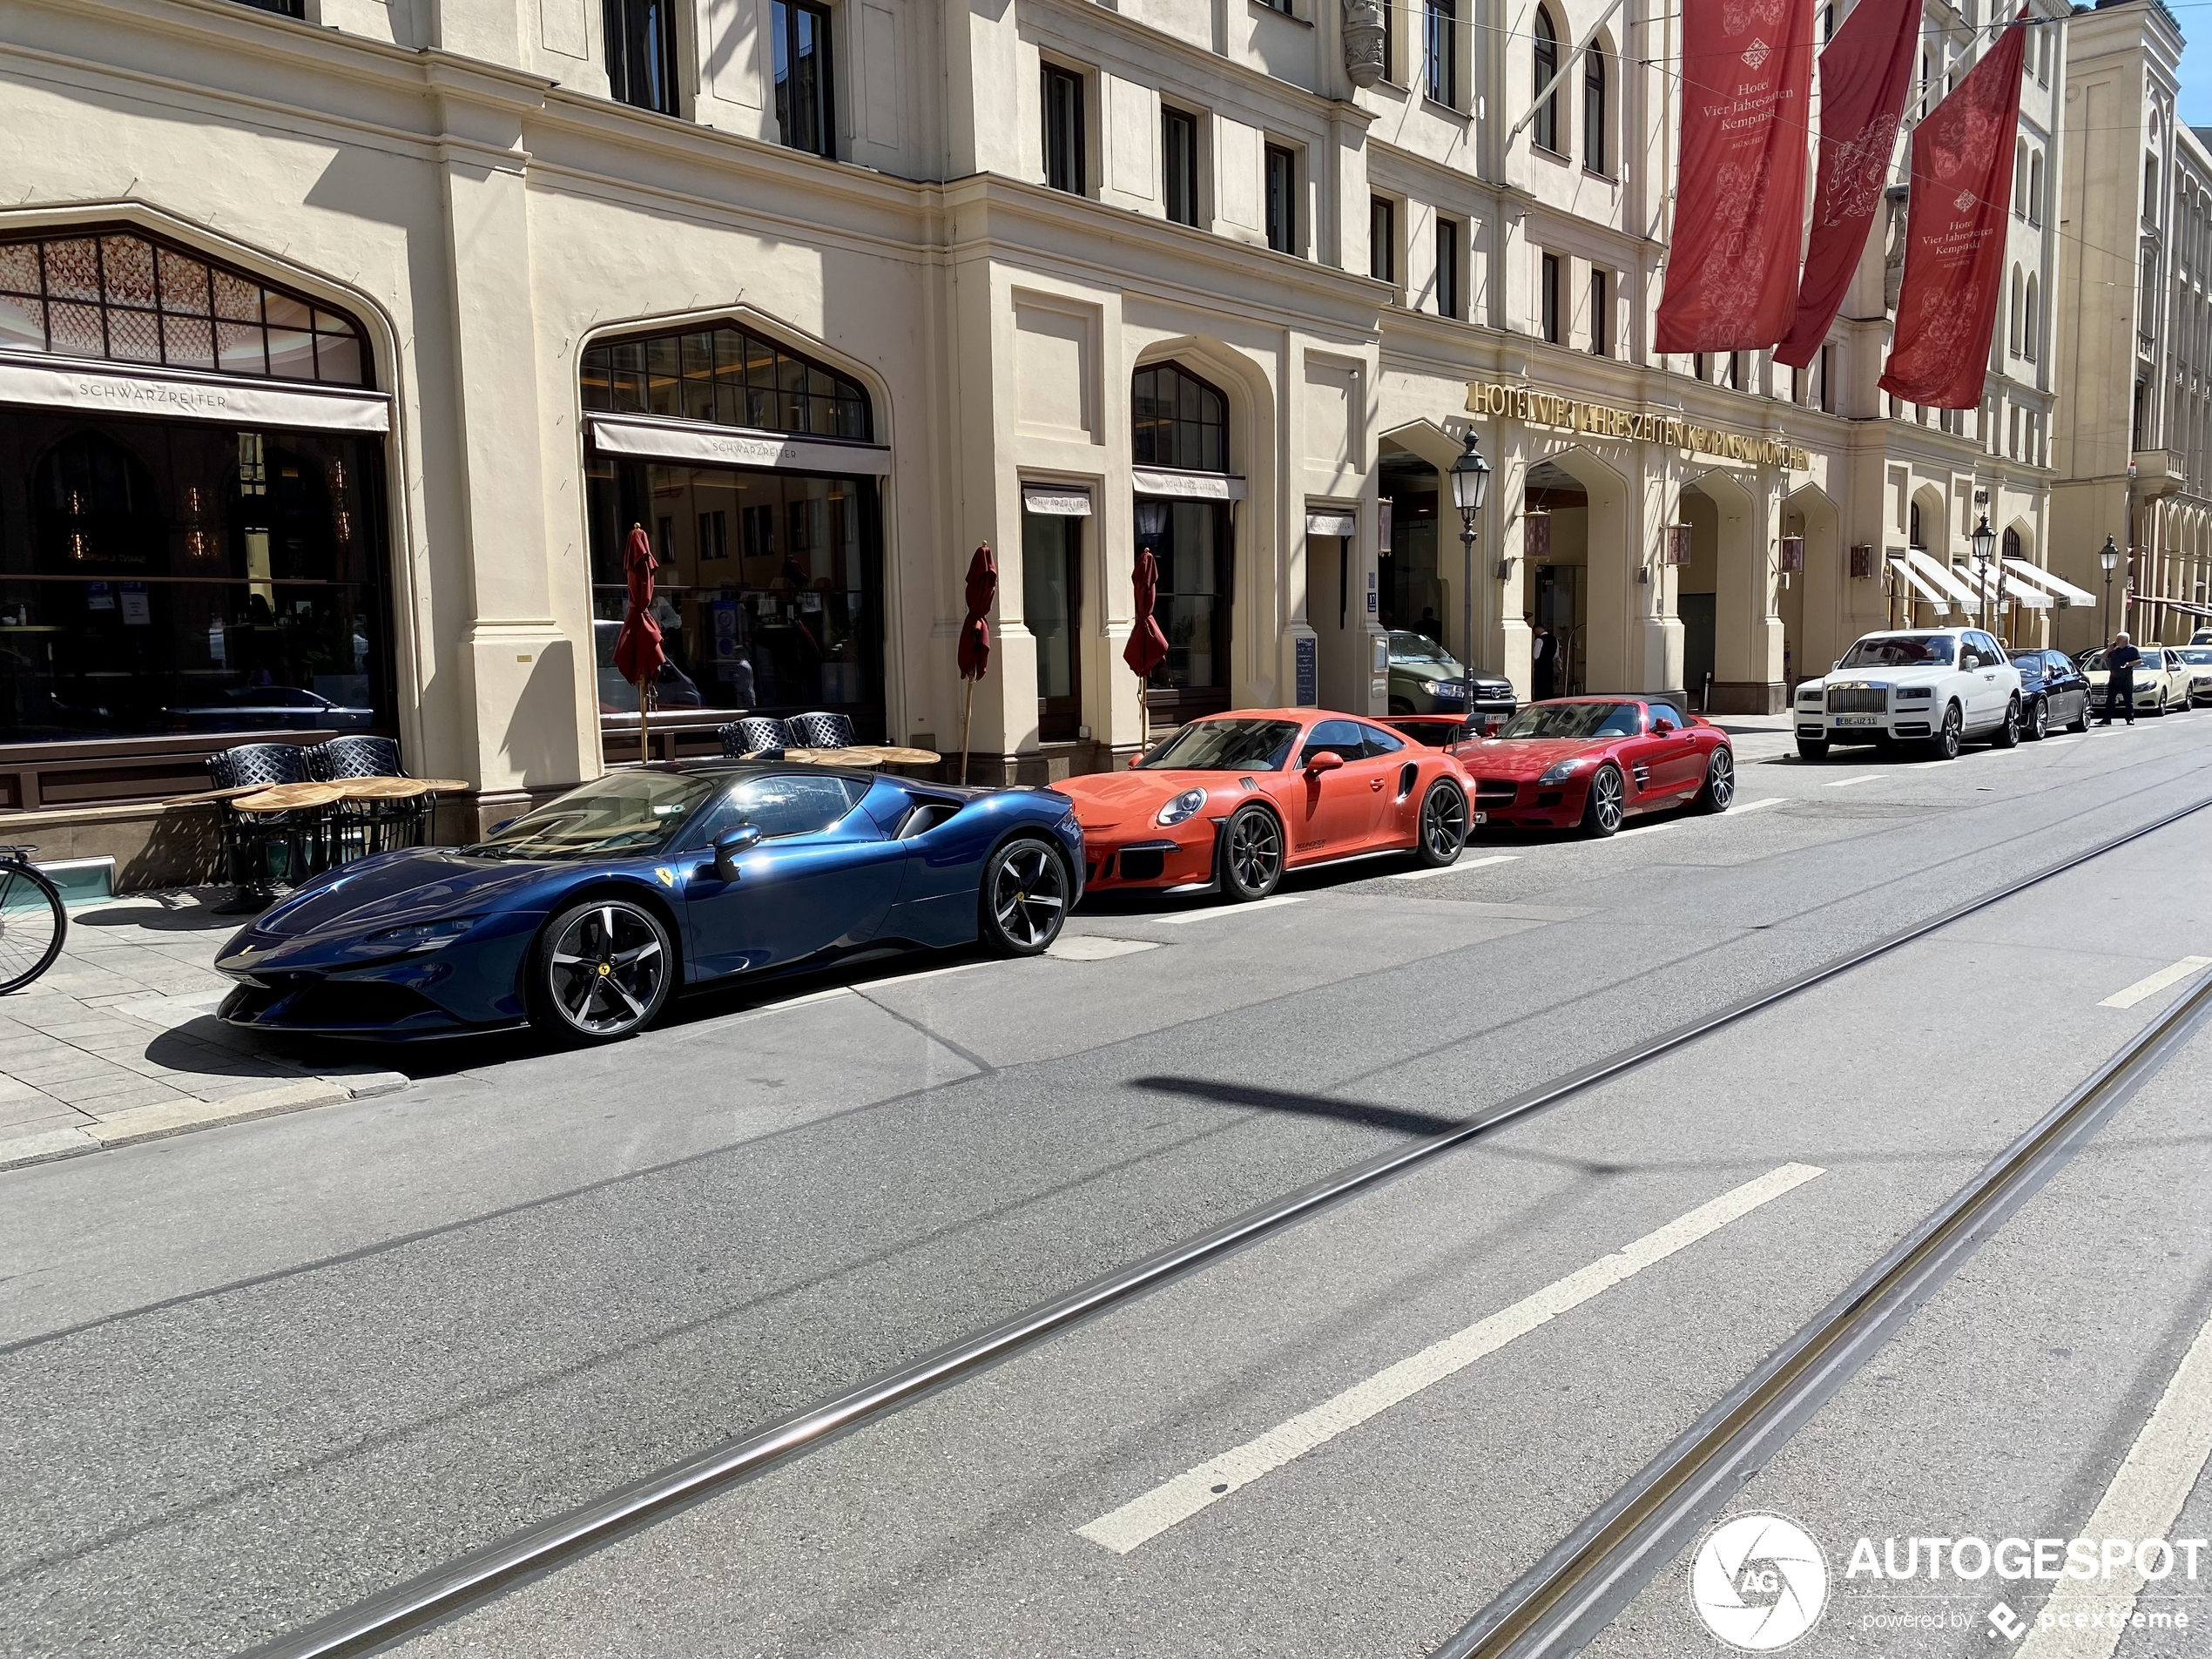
(1739, 211)
(1865, 72)
(1954, 234)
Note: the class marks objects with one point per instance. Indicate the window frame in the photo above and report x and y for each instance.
(1543, 127)
(1069, 125)
(1596, 157)
(626, 23)
(1550, 274)
(1382, 250)
(1282, 228)
(1440, 68)
(1600, 312)
(1193, 184)
(1450, 289)
(787, 42)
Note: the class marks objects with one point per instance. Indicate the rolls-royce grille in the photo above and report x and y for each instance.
(1858, 700)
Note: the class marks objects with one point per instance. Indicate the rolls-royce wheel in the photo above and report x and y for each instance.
(1023, 898)
(601, 971)
(1444, 826)
(1720, 782)
(1606, 805)
(1812, 749)
(2039, 721)
(1252, 854)
(2007, 735)
(1946, 742)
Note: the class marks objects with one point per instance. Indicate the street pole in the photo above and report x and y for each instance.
(1467, 665)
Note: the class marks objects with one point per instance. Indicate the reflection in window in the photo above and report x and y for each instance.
(1180, 422)
(641, 53)
(1543, 93)
(727, 375)
(1443, 51)
(1179, 164)
(1063, 98)
(805, 111)
(1051, 599)
(1190, 540)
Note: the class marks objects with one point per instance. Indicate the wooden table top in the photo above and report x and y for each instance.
(829, 757)
(895, 755)
(285, 797)
(382, 788)
(444, 785)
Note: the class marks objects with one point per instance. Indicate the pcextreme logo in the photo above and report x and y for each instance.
(1759, 1583)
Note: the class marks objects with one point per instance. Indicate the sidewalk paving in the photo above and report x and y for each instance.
(119, 1041)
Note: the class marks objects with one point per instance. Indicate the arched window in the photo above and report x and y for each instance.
(136, 298)
(1546, 66)
(2031, 330)
(1180, 422)
(2013, 329)
(728, 375)
(1594, 108)
(1913, 535)
(2012, 543)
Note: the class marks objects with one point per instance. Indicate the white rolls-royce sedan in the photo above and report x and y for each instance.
(1934, 685)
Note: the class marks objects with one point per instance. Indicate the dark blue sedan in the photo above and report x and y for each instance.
(582, 917)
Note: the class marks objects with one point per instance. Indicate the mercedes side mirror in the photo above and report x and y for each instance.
(1660, 728)
(1328, 761)
(738, 839)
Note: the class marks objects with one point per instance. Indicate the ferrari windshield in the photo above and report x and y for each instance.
(1900, 650)
(1225, 745)
(624, 814)
(1557, 720)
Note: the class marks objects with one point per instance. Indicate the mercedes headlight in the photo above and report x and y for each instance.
(425, 935)
(1184, 807)
(1566, 769)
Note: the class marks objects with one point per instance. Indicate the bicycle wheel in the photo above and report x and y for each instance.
(32, 926)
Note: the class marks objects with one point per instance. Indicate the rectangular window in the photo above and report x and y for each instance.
(1828, 379)
(1382, 239)
(641, 54)
(282, 8)
(804, 104)
(1179, 165)
(1442, 49)
(1550, 298)
(1697, 366)
(1051, 595)
(1447, 267)
(1601, 315)
(1282, 199)
(1063, 129)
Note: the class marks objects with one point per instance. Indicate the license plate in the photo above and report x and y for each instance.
(1858, 720)
(1483, 818)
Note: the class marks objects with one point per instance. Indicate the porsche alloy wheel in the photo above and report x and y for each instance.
(602, 971)
(1606, 807)
(1720, 782)
(1252, 854)
(1024, 898)
(1444, 826)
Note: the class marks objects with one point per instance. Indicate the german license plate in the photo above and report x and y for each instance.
(1858, 720)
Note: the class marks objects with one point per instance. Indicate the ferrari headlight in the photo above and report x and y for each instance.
(1184, 807)
(1566, 769)
(425, 935)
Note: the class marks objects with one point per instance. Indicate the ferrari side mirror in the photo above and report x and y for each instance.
(1328, 761)
(738, 839)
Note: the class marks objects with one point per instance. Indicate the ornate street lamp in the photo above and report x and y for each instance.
(2108, 556)
(1470, 492)
(1985, 549)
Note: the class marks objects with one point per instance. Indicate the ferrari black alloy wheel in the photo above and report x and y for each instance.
(1444, 825)
(1720, 782)
(1252, 854)
(601, 971)
(1606, 807)
(1024, 898)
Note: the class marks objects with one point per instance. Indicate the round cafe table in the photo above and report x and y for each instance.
(382, 788)
(829, 757)
(442, 786)
(287, 798)
(895, 755)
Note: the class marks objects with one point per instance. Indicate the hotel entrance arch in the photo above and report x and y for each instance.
(1816, 626)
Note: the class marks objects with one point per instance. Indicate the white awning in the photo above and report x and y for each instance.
(1956, 591)
(1190, 486)
(2042, 579)
(2003, 585)
(1921, 585)
(709, 445)
(1055, 501)
(1332, 523)
(62, 383)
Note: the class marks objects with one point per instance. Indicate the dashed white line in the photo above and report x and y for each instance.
(1863, 777)
(1187, 1494)
(2156, 982)
(1217, 912)
(1755, 805)
(1453, 869)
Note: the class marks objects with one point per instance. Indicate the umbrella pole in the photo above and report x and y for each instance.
(644, 742)
(966, 715)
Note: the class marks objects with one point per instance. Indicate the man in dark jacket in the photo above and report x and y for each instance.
(2121, 658)
(1543, 662)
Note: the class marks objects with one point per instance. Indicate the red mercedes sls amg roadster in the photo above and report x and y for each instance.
(1597, 761)
(1232, 800)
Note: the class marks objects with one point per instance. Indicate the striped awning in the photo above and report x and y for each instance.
(1941, 576)
(2042, 579)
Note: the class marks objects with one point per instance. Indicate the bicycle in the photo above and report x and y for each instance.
(32, 922)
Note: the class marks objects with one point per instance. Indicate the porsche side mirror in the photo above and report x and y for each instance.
(1135, 759)
(737, 840)
(1660, 728)
(1328, 761)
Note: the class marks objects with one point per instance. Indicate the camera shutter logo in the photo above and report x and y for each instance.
(1759, 1583)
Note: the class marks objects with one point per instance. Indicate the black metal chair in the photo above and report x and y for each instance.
(355, 757)
(821, 731)
(260, 848)
(756, 734)
(361, 827)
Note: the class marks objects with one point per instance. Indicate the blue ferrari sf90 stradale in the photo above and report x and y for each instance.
(582, 917)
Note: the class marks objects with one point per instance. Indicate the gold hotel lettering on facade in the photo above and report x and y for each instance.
(1547, 408)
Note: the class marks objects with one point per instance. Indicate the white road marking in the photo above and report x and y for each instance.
(1097, 948)
(1215, 913)
(1648, 829)
(1453, 869)
(1753, 806)
(2084, 1618)
(1863, 777)
(1187, 1494)
(2156, 982)
(927, 973)
(2058, 742)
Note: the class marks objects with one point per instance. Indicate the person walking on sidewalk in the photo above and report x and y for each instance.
(2121, 658)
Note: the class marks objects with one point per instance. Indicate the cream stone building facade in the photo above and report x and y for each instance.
(822, 297)
(2134, 451)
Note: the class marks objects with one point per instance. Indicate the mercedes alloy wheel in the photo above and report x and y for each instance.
(1606, 806)
(1720, 782)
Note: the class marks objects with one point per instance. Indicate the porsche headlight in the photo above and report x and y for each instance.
(425, 935)
(1183, 807)
(1566, 769)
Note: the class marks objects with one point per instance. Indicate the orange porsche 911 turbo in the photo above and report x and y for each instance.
(1232, 800)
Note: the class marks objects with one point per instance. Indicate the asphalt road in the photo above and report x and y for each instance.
(261, 1372)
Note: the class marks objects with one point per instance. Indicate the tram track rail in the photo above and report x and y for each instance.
(1586, 1573)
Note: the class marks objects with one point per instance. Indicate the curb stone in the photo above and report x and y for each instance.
(166, 1118)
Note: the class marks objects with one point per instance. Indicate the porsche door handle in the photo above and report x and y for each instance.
(1376, 785)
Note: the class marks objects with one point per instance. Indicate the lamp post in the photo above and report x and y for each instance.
(1984, 547)
(2108, 556)
(1470, 491)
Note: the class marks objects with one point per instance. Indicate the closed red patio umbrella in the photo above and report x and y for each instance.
(638, 650)
(975, 635)
(1148, 646)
